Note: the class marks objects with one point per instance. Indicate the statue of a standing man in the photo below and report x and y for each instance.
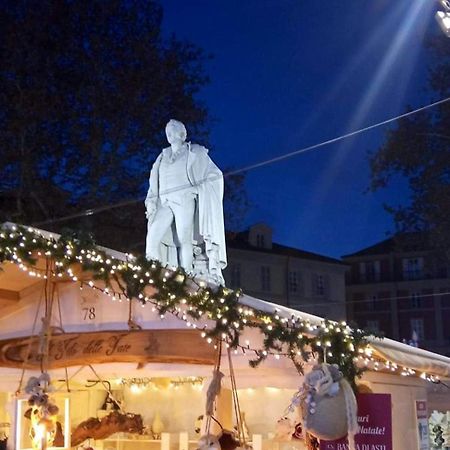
(184, 208)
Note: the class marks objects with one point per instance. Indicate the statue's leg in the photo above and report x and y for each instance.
(184, 224)
(155, 233)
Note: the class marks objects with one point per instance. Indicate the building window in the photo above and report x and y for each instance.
(412, 268)
(319, 285)
(442, 272)
(416, 300)
(369, 271)
(373, 325)
(293, 282)
(235, 275)
(260, 241)
(418, 328)
(265, 278)
(371, 302)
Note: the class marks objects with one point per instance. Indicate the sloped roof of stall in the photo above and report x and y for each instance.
(15, 285)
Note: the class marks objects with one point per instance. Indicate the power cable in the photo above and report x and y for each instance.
(90, 212)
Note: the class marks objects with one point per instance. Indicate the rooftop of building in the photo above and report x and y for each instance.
(402, 242)
(241, 241)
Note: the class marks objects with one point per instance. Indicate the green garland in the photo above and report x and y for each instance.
(177, 293)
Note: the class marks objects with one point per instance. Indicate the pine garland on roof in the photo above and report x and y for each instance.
(173, 291)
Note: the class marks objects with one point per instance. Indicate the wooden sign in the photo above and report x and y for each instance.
(78, 349)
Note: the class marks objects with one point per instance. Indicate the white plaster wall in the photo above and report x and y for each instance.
(73, 302)
(438, 399)
(177, 407)
(263, 407)
(4, 415)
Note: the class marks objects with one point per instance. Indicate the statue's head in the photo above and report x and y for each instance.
(175, 132)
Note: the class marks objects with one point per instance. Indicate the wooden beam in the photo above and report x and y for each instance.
(35, 288)
(9, 295)
(14, 301)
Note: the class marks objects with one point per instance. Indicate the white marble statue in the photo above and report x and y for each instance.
(184, 208)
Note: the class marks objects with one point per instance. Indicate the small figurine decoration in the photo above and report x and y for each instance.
(198, 424)
(43, 413)
(209, 442)
(4, 434)
(327, 404)
(298, 432)
(284, 429)
(110, 403)
(228, 440)
(157, 426)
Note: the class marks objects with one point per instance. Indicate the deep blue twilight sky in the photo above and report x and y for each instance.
(291, 73)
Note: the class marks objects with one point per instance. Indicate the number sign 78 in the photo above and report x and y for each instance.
(89, 313)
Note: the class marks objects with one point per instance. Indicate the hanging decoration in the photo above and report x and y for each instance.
(43, 412)
(327, 404)
(217, 312)
(226, 439)
(208, 441)
(239, 437)
(298, 432)
(284, 429)
(439, 426)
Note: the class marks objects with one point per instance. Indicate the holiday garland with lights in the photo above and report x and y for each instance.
(173, 291)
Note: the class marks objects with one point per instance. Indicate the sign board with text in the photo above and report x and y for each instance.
(139, 346)
(375, 425)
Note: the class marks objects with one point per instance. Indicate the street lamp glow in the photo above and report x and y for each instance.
(443, 19)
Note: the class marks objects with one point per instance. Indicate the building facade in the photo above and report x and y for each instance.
(401, 290)
(287, 276)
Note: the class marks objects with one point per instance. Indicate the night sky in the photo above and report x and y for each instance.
(290, 73)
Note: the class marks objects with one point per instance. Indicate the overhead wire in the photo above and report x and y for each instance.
(374, 300)
(92, 211)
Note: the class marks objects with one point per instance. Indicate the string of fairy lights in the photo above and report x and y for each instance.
(137, 384)
(365, 359)
(215, 312)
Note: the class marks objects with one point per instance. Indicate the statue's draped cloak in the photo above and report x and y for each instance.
(208, 220)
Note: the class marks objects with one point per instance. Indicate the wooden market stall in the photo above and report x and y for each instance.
(106, 348)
